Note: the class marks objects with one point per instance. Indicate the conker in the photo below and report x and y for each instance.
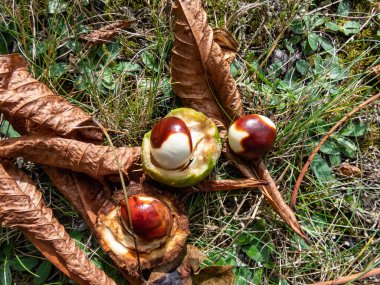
(252, 136)
(171, 144)
(151, 218)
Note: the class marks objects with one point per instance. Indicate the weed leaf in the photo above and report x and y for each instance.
(354, 130)
(344, 8)
(320, 169)
(314, 40)
(332, 26)
(351, 27)
(43, 272)
(346, 146)
(6, 276)
(302, 66)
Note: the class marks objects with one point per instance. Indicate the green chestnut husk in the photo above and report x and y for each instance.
(206, 151)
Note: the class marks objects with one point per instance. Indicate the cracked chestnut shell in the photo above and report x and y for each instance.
(161, 214)
(150, 217)
(206, 149)
(252, 136)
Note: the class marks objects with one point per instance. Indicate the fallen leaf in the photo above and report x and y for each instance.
(83, 192)
(347, 169)
(31, 107)
(106, 33)
(93, 160)
(227, 43)
(202, 79)
(200, 75)
(22, 206)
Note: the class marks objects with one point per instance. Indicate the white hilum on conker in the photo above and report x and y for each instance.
(252, 136)
(171, 144)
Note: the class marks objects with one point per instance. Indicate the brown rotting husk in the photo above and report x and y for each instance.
(126, 258)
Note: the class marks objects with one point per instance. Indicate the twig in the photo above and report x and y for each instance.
(349, 278)
(332, 130)
(225, 185)
(125, 192)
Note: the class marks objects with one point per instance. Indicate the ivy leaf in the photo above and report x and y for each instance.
(320, 169)
(346, 146)
(314, 40)
(335, 159)
(351, 27)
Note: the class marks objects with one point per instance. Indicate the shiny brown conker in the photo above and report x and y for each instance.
(252, 136)
(151, 218)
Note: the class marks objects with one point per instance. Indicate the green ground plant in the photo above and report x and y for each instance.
(318, 70)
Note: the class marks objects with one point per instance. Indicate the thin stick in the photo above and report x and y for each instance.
(125, 194)
(225, 185)
(333, 129)
(349, 278)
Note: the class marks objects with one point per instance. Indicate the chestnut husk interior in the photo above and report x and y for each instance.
(164, 253)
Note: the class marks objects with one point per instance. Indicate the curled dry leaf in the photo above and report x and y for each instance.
(86, 194)
(22, 206)
(200, 75)
(202, 79)
(93, 160)
(346, 169)
(227, 43)
(106, 33)
(186, 269)
(31, 107)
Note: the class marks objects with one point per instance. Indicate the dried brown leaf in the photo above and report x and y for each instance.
(346, 169)
(93, 160)
(31, 107)
(186, 270)
(106, 33)
(227, 43)
(22, 206)
(200, 75)
(83, 192)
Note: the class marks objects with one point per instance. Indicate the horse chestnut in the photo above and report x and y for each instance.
(151, 218)
(252, 136)
(171, 144)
